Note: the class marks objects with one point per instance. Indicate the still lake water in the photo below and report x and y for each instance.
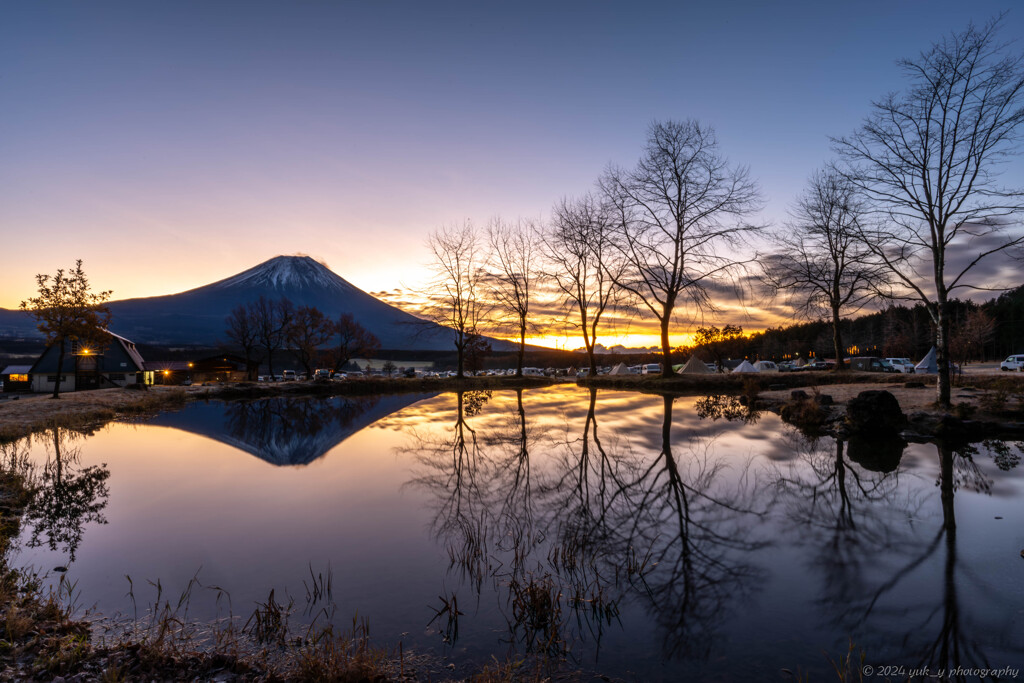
(641, 537)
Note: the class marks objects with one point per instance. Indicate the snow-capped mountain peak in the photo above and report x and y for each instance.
(287, 273)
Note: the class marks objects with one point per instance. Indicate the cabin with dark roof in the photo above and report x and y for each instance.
(14, 378)
(117, 364)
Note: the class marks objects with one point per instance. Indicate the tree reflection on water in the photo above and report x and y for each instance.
(872, 561)
(599, 525)
(66, 497)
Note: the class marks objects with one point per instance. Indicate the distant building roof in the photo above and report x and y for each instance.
(16, 370)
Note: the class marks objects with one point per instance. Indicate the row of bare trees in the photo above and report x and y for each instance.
(263, 327)
(658, 239)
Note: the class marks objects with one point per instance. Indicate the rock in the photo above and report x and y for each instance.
(875, 412)
(824, 399)
(798, 395)
(60, 569)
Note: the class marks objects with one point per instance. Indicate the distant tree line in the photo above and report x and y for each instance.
(264, 327)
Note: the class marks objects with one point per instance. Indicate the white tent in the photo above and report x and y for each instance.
(745, 366)
(928, 365)
(695, 366)
(766, 366)
(799, 363)
(620, 369)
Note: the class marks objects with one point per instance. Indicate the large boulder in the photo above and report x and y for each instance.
(875, 413)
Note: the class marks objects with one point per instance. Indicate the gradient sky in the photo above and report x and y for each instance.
(171, 144)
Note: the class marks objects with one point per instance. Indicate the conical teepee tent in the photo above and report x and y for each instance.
(745, 366)
(695, 366)
(928, 365)
(620, 369)
(799, 363)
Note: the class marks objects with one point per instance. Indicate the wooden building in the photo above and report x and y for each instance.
(116, 364)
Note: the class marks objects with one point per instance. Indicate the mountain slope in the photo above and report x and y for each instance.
(197, 315)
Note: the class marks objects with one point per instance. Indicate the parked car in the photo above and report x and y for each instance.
(819, 365)
(651, 369)
(871, 364)
(322, 373)
(1013, 363)
(904, 365)
(287, 375)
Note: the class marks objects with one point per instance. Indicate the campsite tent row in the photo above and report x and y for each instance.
(696, 366)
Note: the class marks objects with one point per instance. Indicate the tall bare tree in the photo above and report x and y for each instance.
(583, 264)
(352, 340)
(66, 309)
(308, 330)
(513, 275)
(929, 157)
(679, 217)
(272, 318)
(241, 330)
(454, 294)
(820, 266)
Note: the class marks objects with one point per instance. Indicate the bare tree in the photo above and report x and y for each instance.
(271, 318)
(820, 267)
(308, 330)
(66, 309)
(241, 330)
(454, 293)
(929, 157)
(679, 218)
(513, 276)
(353, 341)
(578, 248)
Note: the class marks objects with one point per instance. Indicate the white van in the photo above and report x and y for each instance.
(287, 375)
(1013, 363)
(902, 364)
(651, 369)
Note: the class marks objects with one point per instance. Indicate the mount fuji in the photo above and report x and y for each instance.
(196, 317)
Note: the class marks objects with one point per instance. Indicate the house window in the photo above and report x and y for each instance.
(18, 378)
(50, 379)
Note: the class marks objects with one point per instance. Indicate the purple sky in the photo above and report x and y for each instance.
(172, 144)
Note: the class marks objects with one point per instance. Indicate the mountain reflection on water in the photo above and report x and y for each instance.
(641, 536)
(285, 431)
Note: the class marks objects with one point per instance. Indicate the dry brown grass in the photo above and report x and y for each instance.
(82, 411)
